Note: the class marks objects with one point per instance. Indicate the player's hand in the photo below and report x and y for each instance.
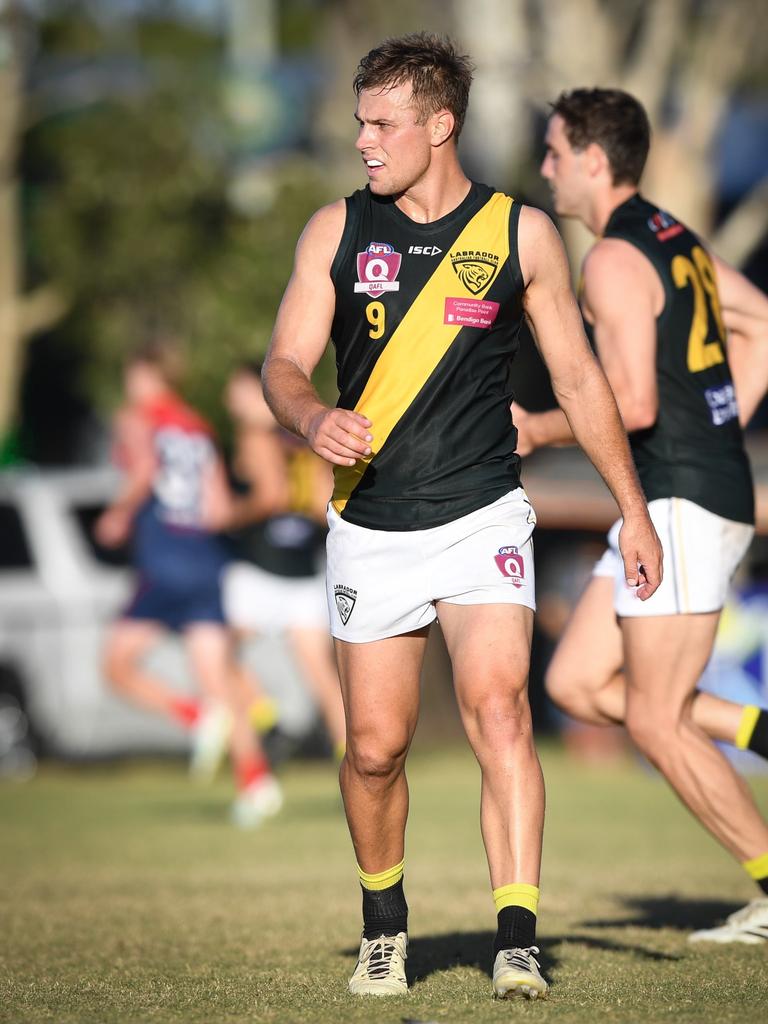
(522, 420)
(642, 555)
(113, 527)
(340, 436)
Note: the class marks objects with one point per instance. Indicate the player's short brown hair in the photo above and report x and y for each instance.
(613, 119)
(440, 77)
(164, 353)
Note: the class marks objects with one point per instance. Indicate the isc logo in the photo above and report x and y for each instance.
(424, 250)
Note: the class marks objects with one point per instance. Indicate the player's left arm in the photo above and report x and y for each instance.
(217, 498)
(745, 317)
(583, 393)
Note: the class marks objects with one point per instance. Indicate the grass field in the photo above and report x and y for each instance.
(126, 896)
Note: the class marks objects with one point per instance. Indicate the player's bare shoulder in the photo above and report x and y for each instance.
(538, 242)
(615, 269)
(321, 236)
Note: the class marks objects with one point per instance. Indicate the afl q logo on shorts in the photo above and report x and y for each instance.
(511, 565)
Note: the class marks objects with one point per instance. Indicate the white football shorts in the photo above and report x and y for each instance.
(382, 583)
(701, 553)
(263, 602)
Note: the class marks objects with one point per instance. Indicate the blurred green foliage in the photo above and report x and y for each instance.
(128, 210)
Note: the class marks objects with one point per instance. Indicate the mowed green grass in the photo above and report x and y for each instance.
(127, 896)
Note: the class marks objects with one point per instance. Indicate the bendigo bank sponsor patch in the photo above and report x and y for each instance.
(470, 312)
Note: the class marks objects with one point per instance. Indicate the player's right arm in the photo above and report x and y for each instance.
(745, 317)
(135, 451)
(301, 334)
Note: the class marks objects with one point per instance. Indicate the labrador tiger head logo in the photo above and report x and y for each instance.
(475, 269)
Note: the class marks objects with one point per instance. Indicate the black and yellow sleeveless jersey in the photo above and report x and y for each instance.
(425, 326)
(695, 448)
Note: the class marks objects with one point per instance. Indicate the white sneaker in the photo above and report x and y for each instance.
(380, 967)
(516, 972)
(210, 738)
(748, 925)
(261, 800)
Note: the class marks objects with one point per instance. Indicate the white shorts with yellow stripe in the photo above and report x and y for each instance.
(382, 583)
(701, 553)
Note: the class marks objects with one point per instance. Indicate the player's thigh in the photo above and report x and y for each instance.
(490, 649)
(380, 688)
(128, 640)
(589, 653)
(664, 657)
(209, 648)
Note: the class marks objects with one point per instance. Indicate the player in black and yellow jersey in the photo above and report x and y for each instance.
(422, 280)
(660, 306)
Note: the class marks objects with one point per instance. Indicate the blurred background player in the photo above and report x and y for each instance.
(659, 306)
(173, 499)
(276, 583)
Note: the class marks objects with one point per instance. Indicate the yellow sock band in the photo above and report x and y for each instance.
(757, 868)
(519, 894)
(383, 879)
(749, 717)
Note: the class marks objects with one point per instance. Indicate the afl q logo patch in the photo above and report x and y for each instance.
(345, 601)
(511, 565)
(475, 269)
(377, 269)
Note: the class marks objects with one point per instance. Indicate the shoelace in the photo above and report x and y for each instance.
(521, 958)
(377, 958)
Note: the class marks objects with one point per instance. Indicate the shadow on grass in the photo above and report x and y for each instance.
(668, 912)
(614, 947)
(429, 954)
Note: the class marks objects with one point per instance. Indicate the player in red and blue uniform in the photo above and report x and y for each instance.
(173, 500)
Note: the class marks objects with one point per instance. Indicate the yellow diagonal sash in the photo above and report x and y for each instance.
(421, 339)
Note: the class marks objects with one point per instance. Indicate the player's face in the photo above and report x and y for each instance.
(564, 169)
(396, 151)
(142, 382)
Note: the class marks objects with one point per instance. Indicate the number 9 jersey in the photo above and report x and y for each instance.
(425, 326)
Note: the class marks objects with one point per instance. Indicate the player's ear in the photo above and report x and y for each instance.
(443, 124)
(597, 161)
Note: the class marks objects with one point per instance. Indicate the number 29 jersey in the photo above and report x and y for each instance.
(425, 326)
(695, 449)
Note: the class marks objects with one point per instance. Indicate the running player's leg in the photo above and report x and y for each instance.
(209, 647)
(585, 677)
(314, 654)
(380, 688)
(128, 642)
(664, 658)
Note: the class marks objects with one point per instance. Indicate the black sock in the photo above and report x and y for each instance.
(763, 883)
(758, 741)
(385, 911)
(516, 929)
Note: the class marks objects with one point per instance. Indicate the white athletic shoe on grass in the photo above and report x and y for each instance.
(380, 967)
(516, 973)
(210, 738)
(257, 802)
(748, 925)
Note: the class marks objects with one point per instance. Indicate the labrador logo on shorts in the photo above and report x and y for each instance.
(511, 564)
(345, 601)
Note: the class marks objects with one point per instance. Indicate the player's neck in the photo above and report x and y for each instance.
(603, 204)
(435, 194)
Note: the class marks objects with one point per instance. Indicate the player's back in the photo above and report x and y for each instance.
(695, 448)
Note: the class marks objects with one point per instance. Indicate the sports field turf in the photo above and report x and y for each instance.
(126, 896)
